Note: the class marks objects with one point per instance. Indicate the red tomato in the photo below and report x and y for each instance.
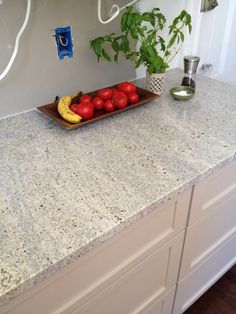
(120, 99)
(85, 110)
(98, 102)
(109, 105)
(133, 98)
(114, 90)
(127, 87)
(105, 93)
(85, 98)
(74, 107)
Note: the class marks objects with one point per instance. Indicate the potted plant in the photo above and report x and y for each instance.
(140, 42)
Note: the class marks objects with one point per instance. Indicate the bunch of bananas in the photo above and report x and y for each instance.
(64, 110)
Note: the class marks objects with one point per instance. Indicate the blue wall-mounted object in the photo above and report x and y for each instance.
(64, 42)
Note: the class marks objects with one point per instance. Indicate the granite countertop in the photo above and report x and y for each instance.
(63, 192)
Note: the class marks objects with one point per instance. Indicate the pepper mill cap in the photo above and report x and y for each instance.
(191, 64)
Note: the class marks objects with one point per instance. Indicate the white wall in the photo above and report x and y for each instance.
(37, 75)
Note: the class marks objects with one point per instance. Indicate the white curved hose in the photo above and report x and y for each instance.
(8, 67)
(114, 12)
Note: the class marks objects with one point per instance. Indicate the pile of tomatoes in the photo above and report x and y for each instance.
(108, 99)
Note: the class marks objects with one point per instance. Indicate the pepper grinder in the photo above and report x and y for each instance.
(190, 69)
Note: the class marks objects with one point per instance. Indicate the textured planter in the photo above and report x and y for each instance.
(155, 82)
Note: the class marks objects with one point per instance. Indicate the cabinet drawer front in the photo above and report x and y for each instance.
(104, 264)
(191, 287)
(162, 305)
(146, 282)
(207, 234)
(212, 191)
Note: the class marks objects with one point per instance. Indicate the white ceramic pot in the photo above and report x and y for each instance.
(155, 82)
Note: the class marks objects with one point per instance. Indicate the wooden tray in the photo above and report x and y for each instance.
(50, 110)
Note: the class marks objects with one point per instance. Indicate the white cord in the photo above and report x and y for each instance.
(8, 67)
(64, 44)
(114, 12)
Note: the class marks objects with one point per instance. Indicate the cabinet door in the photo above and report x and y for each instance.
(208, 235)
(192, 286)
(212, 191)
(162, 305)
(141, 287)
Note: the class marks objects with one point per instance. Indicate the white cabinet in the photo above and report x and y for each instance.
(210, 244)
(135, 271)
(145, 283)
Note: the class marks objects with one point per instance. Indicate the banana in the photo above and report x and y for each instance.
(63, 108)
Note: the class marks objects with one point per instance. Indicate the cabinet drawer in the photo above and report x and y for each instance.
(208, 233)
(161, 305)
(106, 263)
(145, 283)
(212, 191)
(191, 287)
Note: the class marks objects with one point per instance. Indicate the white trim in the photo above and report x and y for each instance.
(16, 114)
(228, 27)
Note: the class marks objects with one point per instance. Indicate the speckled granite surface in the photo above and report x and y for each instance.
(64, 192)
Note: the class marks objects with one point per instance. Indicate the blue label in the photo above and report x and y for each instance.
(64, 42)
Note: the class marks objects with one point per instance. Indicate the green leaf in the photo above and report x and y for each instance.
(129, 20)
(181, 36)
(96, 45)
(167, 53)
(124, 19)
(137, 18)
(171, 27)
(151, 37)
(162, 43)
(116, 57)
(134, 33)
(115, 45)
(172, 40)
(161, 20)
(189, 28)
(105, 55)
(176, 20)
(182, 15)
(149, 17)
(188, 19)
(125, 44)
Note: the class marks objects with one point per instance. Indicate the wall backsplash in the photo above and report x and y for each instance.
(37, 75)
